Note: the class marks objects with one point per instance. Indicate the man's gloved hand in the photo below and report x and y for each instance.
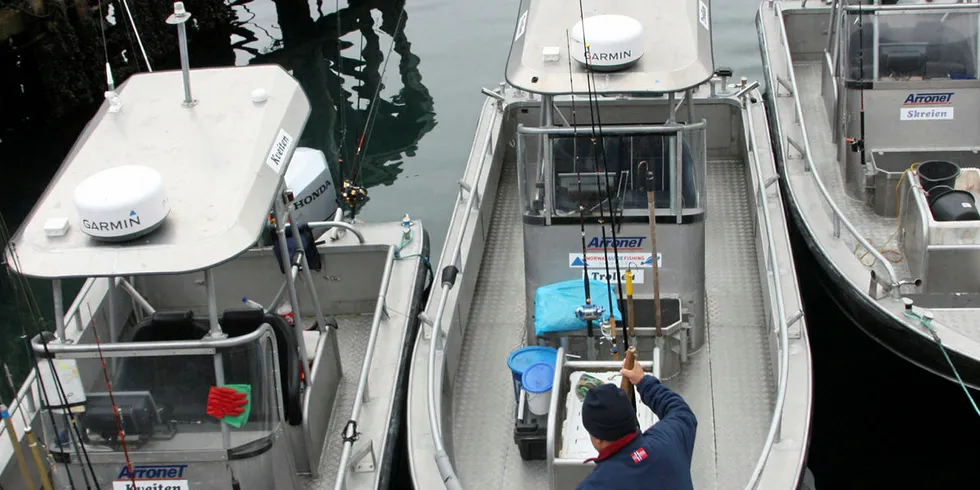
(635, 375)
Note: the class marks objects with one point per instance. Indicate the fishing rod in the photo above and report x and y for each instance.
(613, 348)
(597, 138)
(629, 305)
(25, 472)
(74, 434)
(340, 88)
(588, 312)
(352, 192)
(112, 398)
(29, 436)
(658, 344)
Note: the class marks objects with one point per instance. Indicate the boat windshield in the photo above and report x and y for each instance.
(588, 171)
(163, 400)
(911, 45)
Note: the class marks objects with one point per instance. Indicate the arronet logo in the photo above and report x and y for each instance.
(929, 98)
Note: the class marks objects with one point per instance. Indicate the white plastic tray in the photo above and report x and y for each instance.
(575, 442)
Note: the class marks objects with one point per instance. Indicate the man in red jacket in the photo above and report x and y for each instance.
(659, 458)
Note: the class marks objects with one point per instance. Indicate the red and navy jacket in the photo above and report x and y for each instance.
(659, 458)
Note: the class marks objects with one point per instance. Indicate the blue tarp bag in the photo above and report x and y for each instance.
(554, 305)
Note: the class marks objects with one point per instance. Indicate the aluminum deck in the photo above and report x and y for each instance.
(877, 229)
(731, 392)
(352, 342)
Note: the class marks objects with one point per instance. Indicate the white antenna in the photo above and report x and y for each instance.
(180, 17)
(114, 103)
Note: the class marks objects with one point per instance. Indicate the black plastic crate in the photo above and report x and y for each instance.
(531, 434)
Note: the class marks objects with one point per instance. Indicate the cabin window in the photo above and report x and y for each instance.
(900, 46)
(625, 159)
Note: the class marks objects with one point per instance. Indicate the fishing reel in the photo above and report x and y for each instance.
(352, 193)
(589, 312)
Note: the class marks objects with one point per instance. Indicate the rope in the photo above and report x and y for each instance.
(898, 208)
(927, 322)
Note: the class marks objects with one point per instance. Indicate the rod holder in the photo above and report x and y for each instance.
(180, 18)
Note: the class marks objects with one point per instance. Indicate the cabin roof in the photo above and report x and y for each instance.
(676, 41)
(213, 158)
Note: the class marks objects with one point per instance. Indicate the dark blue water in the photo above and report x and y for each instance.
(879, 421)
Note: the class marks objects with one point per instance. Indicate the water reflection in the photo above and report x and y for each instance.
(342, 59)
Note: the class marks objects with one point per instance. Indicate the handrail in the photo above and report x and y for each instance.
(631, 129)
(783, 379)
(839, 216)
(967, 5)
(326, 225)
(165, 348)
(449, 273)
(26, 391)
(365, 371)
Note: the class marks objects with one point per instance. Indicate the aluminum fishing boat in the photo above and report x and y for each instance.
(874, 121)
(163, 207)
(728, 334)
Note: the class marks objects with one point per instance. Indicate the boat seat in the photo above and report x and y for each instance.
(179, 389)
(242, 321)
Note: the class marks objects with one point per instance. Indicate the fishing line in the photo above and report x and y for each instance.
(372, 112)
(581, 206)
(352, 192)
(341, 107)
(597, 137)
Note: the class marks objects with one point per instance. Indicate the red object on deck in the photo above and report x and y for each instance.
(224, 402)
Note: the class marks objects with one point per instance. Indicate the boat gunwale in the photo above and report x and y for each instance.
(885, 310)
(425, 342)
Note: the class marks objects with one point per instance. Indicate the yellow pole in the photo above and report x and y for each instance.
(21, 462)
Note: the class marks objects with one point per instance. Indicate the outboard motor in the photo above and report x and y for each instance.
(315, 197)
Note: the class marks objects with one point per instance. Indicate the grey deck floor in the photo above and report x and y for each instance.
(876, 229)
(352, 342)
(728, 383)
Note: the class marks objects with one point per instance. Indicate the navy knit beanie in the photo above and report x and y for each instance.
(607, 413)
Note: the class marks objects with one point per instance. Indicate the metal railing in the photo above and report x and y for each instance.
(361, 393)
(781, 323)
(838, 215)
(449, 273)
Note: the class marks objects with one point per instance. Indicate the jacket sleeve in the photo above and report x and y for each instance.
(676, 418)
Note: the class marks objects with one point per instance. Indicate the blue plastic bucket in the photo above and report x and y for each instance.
(537, 381)
(525, 357)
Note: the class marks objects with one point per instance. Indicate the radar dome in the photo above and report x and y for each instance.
(121, 203)
(614, 42)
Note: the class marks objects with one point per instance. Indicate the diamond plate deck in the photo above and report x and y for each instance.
(876, 229)
(352, 342)
(728, 384)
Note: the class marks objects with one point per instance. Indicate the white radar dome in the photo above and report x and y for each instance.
(614, 42)
(121, 203)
